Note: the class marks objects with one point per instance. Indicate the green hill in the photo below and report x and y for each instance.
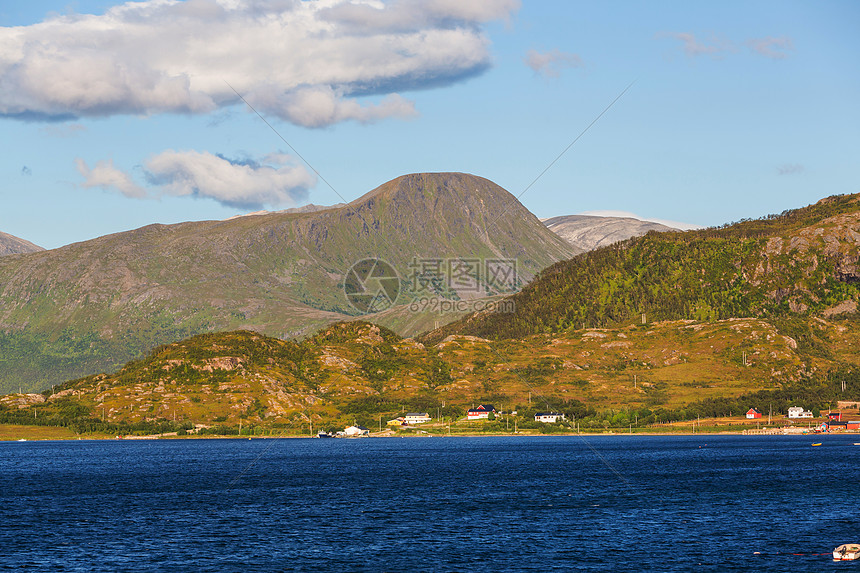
(92, 306)
(360, 373)
(801, 263)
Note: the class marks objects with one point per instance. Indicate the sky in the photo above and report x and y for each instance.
(118, 115)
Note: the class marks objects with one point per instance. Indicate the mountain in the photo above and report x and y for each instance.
(10, 245)
(587, 232)
(803, 262)
(91, 306)
(668, 326)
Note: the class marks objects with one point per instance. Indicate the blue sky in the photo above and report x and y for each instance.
(117, 116)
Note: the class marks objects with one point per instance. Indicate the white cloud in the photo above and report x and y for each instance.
(771, 47)
(673, 224)
(305, 62)
(696, 47)
(105, 176)
(243, 184)
(418, 14)
(321, 105)
(550, 63)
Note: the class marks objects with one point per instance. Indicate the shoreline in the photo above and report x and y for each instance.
(24, 436)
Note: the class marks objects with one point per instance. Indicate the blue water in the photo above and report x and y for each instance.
(436, 504)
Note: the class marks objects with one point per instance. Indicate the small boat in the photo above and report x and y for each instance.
(23, 440)
(817, 444)
(847, 552)
(324, 435)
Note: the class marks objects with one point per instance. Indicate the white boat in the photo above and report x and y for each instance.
(847, 552)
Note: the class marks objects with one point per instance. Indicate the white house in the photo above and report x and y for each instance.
(548, 417)
(798, 412)
(417, 417)
(356, 431)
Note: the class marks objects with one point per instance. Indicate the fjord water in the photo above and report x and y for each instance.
(623, 503)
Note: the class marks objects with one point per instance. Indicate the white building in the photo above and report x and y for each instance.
(798, 412)
(548, 417)
(356, 431)
(417, 418)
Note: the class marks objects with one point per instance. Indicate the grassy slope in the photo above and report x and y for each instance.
(357, 372)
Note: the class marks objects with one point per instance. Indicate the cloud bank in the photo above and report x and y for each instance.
(239, 183)
(305, 62)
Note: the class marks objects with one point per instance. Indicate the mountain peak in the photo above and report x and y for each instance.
(589, 232)
(11, 245)
(431, 184)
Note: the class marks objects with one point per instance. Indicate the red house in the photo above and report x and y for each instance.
(482, 412)
(835, 416)
(752, 413)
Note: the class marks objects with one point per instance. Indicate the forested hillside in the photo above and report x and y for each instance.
(799, 263)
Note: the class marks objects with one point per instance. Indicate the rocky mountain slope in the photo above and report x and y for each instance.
(11, 245)
(91, 306)
(587, 232)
